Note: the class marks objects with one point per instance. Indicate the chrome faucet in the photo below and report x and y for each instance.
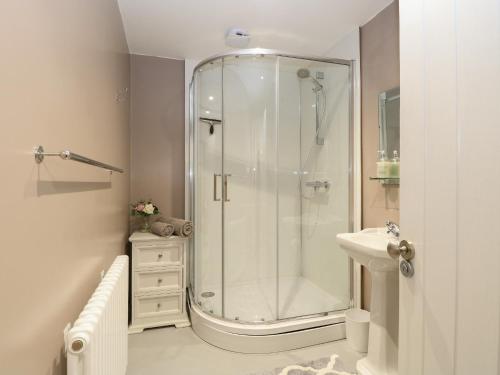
(392, 228)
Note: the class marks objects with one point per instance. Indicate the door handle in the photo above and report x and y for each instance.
(226, 199)
(405, 249)
(215, 187)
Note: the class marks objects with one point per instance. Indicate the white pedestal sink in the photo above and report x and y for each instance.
(369, 247)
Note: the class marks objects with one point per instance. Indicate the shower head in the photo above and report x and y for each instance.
(306, 73)
(303, 73)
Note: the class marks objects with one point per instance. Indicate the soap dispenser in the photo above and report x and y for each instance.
(382, 165)
(394, 166)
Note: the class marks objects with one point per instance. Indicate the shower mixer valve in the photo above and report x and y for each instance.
(318, 184)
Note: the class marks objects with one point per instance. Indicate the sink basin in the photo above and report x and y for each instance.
(369, 248)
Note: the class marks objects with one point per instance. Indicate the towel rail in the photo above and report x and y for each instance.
(68, 155)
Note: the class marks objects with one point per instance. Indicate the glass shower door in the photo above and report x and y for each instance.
(250, 188)
(314, 184)
(207, 195)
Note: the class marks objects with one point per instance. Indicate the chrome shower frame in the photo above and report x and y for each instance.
(192, 151)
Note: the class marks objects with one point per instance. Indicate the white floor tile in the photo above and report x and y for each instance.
(169, 351)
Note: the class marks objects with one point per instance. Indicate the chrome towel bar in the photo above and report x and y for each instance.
(68, 155)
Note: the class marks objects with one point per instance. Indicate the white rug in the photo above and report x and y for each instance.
(324, 366)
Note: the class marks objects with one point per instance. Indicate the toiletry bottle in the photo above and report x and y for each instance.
(394, 166)
(382, 165)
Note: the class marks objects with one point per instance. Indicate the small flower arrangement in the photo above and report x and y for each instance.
(145, 209)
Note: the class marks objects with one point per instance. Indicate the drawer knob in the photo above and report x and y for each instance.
(160, 281)
(160, 256)
(158, 306)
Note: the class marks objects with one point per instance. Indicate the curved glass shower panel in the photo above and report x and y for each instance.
(271, 186)
(207, 123)
(326, 183)
(314, 162)
(250, 195)
(289, 249)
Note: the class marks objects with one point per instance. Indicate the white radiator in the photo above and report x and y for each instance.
(97, 344)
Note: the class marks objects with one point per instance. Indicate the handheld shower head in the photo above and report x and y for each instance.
(304, 73)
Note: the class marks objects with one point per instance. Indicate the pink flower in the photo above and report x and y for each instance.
(139, 207)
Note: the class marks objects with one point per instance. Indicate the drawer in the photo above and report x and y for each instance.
(169, 279)
(160, 254)
(158, 305)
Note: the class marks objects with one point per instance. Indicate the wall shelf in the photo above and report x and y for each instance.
(386, 180)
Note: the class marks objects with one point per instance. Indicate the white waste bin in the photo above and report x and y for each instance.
(357, 323)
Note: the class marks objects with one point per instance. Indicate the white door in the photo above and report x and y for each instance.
(450, 186)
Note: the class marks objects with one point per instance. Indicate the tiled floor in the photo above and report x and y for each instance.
(171, 351)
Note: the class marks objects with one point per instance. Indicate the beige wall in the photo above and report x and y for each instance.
(379, 72)
(157, 132)
(62, 222)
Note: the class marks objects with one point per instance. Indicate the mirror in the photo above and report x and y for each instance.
(388, 113)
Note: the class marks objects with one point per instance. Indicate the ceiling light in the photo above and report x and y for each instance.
(210, 98)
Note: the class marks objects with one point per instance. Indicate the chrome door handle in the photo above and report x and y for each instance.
(405, 249)
(215, 187)
(226, 199)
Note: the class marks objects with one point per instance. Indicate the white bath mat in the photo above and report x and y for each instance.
(324, 366)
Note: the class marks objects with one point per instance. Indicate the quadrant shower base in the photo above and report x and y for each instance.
(251, 325)
(255, 301)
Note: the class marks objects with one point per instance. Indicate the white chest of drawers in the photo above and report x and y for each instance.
(158, 281)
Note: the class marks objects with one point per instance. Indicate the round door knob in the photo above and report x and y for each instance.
(405, 249)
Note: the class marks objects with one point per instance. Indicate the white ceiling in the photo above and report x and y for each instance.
(196, 28)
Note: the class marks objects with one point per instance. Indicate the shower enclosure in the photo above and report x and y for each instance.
(270, 187)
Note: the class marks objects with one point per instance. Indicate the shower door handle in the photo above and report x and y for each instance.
(226, 199)
(215, 187)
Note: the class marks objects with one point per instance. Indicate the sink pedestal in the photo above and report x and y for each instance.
(369, 248)
(382, 358)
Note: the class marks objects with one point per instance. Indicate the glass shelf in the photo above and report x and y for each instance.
(386, 180)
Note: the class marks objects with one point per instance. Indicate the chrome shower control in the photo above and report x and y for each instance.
(318, 184)
(406, 268)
